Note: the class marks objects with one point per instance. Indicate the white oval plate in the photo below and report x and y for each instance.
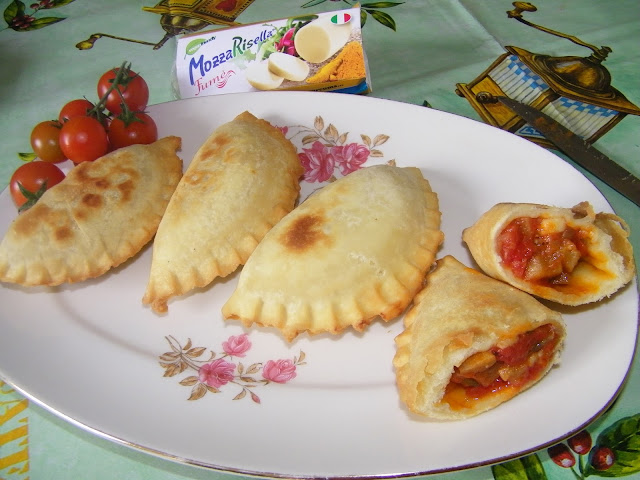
(94, 355)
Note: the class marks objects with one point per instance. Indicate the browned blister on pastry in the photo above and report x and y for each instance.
(100, 215)
(572, 256)
(471, 343)
(243, 179)
(354, 250)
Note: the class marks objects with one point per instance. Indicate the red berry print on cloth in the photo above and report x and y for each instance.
(561, 455)
(616, 450)
(602, 458)
(19, 20)
(580, 442)
(614, 453)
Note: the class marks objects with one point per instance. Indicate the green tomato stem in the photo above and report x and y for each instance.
(121, 79)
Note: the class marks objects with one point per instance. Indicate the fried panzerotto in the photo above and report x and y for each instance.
(100, 215)
(572, 256)
(354, 250)
(471, 343)
(241, 182)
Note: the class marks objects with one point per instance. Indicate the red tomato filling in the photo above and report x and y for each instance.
(513, 366)
(546, 258)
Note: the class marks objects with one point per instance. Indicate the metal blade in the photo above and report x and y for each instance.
(581, 152)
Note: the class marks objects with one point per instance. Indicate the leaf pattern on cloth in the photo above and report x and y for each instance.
(21, 20)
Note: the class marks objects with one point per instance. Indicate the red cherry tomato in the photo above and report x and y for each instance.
(34, 178)
(134, 90)
(83, 139)
(45, 142)
(75, 108)
(142, 130)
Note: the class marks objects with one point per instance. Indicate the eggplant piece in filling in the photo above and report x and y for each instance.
(518, 362)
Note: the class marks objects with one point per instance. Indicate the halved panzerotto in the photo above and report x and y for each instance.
(568, 255)
(471, 343)
(241, 182)
(356, 249)
(99, 216)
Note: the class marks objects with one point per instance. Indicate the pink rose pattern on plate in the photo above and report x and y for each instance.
(326, 151)
(215, 371)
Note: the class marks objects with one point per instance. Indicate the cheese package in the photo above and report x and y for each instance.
(322, 52)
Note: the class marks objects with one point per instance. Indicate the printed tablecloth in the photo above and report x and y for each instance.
(417, 52)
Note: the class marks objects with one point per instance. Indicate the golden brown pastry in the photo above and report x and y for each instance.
(356, 249)
(471, 343)
(100, 215)
(568, 255)
(243, 179)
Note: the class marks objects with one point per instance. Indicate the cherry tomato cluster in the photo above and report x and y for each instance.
(85, 131)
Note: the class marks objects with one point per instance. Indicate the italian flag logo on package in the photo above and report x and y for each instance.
(341, 18)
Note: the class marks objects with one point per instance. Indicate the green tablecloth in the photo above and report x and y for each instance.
(435, 45)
